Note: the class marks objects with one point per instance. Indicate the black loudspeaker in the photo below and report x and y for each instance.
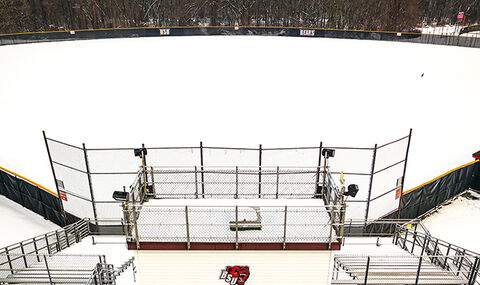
(120, 196)
(327, 153)
(352, 190)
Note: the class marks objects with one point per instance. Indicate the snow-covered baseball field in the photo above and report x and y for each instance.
(239, 91)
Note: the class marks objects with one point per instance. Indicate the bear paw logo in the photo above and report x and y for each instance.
(235, 275)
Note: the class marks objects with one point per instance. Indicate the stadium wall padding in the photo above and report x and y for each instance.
(32, 197)
(414, 37)
(423, 198)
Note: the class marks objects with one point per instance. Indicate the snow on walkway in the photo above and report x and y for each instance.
(458, 222)
(18, 223)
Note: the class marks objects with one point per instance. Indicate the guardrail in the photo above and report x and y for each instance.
(236, 227)
(49, 243)
(443, 254)
(238, 182)
(56, 269)
(396, 270)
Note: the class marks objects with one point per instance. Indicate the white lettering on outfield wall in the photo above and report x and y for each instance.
(307, 33)
(164, 32)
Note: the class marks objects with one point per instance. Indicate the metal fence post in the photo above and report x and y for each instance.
(400, 203)
(236, 182)
(48, 269)
(48, 245)
(460, 262)
(278, 182)
(152, 177)
(285, 229)
(236, 227)
(55, 178)
(370, 185)
(92, 196)
(366, 270)
(9, 260)
(36, 248)
(188, 227)
(474, 272)
(317, 178)
(23, 254)
(202, 178)
(418, 270)
(260, 171)
(196, 182)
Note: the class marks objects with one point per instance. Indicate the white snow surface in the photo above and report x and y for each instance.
(457, 222)
(113, 247)
(371, 246)
(448, 30)
(239, 91)
(18, 223)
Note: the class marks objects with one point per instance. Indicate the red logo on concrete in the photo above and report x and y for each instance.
(235, 275)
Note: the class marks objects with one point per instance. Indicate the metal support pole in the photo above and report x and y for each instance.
(278, 182)
(9, 260)
(36, 248)
(319, 166)
(260, 171)
(332, 221)
(87, 167)
(460, 262)
(23, 254)
(47, 243)
(48, 269)
(414, 241)
(418, 270)
(426, 241)
(324, 176)
(366, 270)
(474, 273)
(58, 242)
(55, 178)
(236, 227)
(152, 177)
(236, 182)
(202, 177)
(145, 175)
(135, 227)
(446, 258)
(400, 203)
(188, 227)
(370, 185)
(285, 229)
(66, 238)
(196, 182)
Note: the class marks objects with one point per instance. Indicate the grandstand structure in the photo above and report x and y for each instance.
(239, 225)
(285, 224)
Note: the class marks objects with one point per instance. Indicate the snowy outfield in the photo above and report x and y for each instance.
(239, 91)
(19, 223)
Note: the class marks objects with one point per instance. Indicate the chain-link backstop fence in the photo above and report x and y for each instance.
(87, 177)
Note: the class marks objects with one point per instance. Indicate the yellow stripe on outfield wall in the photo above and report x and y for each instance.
(54, 193)
(440, 176)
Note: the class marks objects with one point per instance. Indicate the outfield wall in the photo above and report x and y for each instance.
(413, 37)
(32, 196)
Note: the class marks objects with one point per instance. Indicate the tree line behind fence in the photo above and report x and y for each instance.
(389, 15)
